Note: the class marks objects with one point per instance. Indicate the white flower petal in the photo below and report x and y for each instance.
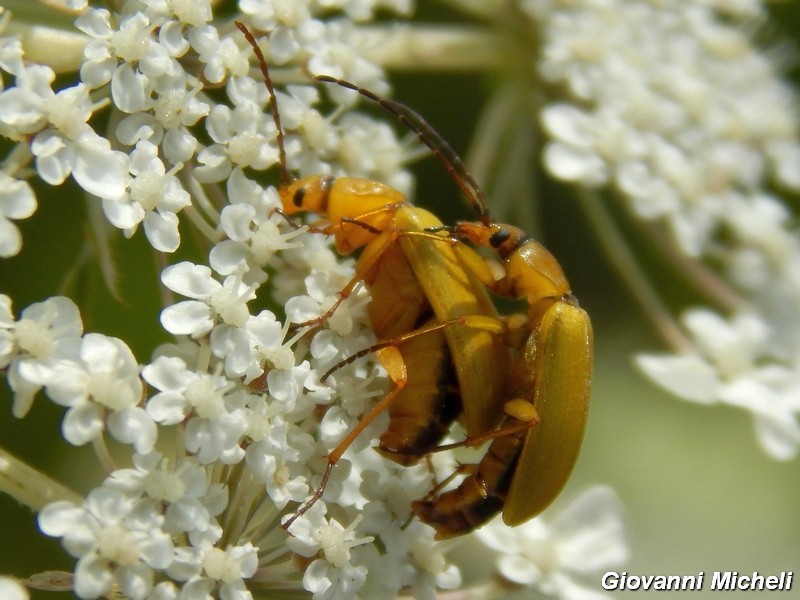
(93, 578)
(519, 570)
(228, 257)
(17, 200)
(590, 531)
(134, 426)
(53, 157)
(138, 127)
(10, 239)
(776, 423)
(190, 280)
(95, 23)
(21, 110)
(124, 215)
(57, 519)
(236, 220)
(214, 164)
(168, 408)
(568, 124)
(570, 163)
(179, 145)
(135, 581)
(188, 318)
(167, 373)
(98, 169)
(83, 423)
(162, 230)
(687, 376)
(171, 38)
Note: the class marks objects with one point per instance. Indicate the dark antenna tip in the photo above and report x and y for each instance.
(273, 100)
(443, 152)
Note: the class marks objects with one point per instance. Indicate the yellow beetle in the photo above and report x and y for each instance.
(547, 399)
(426, 308)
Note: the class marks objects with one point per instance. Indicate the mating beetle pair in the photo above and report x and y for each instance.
(521, 382)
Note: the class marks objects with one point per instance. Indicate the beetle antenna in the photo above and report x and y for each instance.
(443, 152)
(273, 100)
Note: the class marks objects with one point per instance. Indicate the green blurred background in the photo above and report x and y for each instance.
(698, 492)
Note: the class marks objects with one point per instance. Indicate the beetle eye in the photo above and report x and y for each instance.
(499, 238)
(326, 183)
(298, 197)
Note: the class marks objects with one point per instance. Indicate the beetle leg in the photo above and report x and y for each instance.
(392, 360)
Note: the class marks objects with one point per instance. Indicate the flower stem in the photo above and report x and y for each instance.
(29, 486)
(629, 270)
(432, 48)
(61, 50)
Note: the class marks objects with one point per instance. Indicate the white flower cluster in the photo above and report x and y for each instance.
(95, 376)
(561, 556)
(230, 426)
(673, 106)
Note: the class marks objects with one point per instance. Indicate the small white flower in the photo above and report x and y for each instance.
(323, 290)
(97, 168)
(252, 227)
(110, 530)
(435, 572)
(772, 396)
(229, 567)
(577, 154)
(154, 197)
(255, 346)
(34, 341)
(206, 568)
(132, 42)
(216, 414)
(243, 134)
(331, 575)
(193, 13)
(150, 85)
(727, 367)
(99, 60)
(97, 377)
(371, 149)
(170, 105)
(222, 57)
(268, 15)
(334, 51)
(763, 223)
(31, 105)
(62, 140)
(278, 459)
(183, 489)
(213, 302)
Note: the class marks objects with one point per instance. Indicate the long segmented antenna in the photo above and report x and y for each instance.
(273, 100)
(443, 152)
